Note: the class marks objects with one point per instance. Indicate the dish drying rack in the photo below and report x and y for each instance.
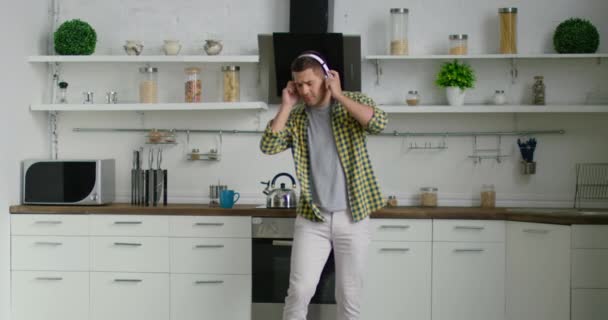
(591, 182)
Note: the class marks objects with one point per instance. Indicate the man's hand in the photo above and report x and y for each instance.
(333, 84)
(289, 96)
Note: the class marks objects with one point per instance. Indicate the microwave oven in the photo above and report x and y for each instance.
(67, 182)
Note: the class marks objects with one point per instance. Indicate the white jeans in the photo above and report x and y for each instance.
(312, 243)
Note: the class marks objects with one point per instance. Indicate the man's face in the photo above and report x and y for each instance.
(310, 84)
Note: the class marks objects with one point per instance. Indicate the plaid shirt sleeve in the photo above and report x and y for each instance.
(378, 121)
(275, 142)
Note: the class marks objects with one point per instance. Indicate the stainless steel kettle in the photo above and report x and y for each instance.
(282, 197)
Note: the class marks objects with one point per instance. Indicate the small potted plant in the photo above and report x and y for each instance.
(455, 77)
(576, 35)
(75, 37)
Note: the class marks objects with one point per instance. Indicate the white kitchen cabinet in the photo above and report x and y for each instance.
(211, 255)
(589, 272)
(468, 280)
(130, 254)
(398, 282)
(48, 295)
(50, 253)
(199, 296)
(538, 271)
(129, 296)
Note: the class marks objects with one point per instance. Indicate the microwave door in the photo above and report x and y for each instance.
(59, 182)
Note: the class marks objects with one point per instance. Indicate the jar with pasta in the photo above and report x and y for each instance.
(508, 30)
(193, 85)
(458, 44)
(148, 85)
(399, 31)
(231, 83)
(488, 196)
(428, 197)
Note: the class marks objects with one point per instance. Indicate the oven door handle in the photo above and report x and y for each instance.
(282, 243)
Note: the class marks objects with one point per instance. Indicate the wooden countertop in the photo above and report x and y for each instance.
(539, 215)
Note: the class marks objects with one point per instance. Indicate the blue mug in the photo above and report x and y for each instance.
(227, 199)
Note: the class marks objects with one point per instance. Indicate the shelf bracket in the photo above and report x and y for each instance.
(378, 71)
(53, 136)
(599, 60)
(514, 71)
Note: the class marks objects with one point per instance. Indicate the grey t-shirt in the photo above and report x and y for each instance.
(328, 183)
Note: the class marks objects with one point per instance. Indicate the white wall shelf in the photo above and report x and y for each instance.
(496, 109)
(148, 59)
(207, 106)
(489, 56)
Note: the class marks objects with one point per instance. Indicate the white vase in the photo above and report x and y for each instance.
(172, 47)
(455, 96)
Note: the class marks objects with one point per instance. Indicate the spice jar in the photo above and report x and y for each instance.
(193, 85)
(499, 97)
(391, 201)
(458, 44)
(398, 31)
(508, 30)
(488, 196)
(413, 98)
(232, 86)
(63, 92)
(148, 85)
(428, 197)
(538, 90)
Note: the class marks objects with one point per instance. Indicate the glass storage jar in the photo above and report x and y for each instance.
(148, 85)
(538, 90)
(193, 85)
(413, 98)
(399, 31)
(231, 83)
(499, 97)
(458, 44)
(508, 30)
(428, 197)
(488, 196)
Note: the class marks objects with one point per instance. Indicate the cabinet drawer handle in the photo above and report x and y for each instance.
(469, 250)
(49, 278)
(395, 249)
(212, 224)
(130, 244)
(209, 282)
(128, 280)
(48, 222)
(394, 227)
(205, 246)
(128, 222)
(47, 243)
(282, 243)
(540, 231)
(468, 228)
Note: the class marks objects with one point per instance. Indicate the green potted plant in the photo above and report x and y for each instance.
(576, 35)
(456, 77)
(75, 37)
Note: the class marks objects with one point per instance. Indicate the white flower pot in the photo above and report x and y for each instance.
(455, 96)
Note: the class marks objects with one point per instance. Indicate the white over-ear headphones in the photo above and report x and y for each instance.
(318, 59)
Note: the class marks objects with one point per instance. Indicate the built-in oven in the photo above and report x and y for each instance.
(271, 244)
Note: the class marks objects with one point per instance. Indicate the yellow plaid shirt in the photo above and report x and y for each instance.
(350, 136)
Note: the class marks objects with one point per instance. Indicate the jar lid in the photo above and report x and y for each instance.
(459, 36)
(231, 68)
(148, 70)
(192, 70)
(433, 189)
(399, 10)
(507, 10)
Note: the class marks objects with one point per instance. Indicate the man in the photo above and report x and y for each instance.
(326, 130)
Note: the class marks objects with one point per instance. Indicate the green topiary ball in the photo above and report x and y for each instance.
(576, 35)
(75, 37)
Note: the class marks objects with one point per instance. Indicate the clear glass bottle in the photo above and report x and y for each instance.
(399, 31)
(508, 30)
(458, 44)
(148, 85)
(413, 98)
(63, 92)
(193, 85)
(499, 97)
(231, 83)
(538, 91)
(488, 196)
(428, 197)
